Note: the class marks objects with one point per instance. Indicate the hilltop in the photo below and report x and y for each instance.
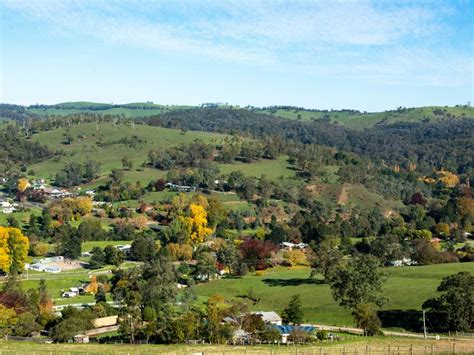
(346, 117)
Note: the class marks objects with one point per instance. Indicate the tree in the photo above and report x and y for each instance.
(26, 325)
(205, 267)
(100, 295)
(127, 163)
(22, 185)
(97, 259)
(359, 283)
(143, 248)
(293, 313)
(91, 229)
(8, 319)
(71, 246)
(113, 256)
(14, 248)
(196, 224)
(367, 319)
(326, 258)
(255, 252)
(457, 301)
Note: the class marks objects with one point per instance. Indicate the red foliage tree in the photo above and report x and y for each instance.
(255, 252)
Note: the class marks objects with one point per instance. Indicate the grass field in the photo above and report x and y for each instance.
(406, 288)
(349, 345)
(110, 152)
(272, 169)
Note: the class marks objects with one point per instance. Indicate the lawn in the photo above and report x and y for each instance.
(272, 169)
(87, 246)
(406, 288)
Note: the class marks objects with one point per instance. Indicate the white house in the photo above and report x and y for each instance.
(291, 246)
(270, 317)
(7, 207)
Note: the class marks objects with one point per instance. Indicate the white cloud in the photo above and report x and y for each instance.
(351, 39)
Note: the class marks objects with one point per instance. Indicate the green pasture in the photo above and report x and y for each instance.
(406, 288)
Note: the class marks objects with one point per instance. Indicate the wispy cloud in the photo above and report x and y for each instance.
(393, 42)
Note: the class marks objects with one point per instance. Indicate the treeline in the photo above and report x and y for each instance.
(16, 150)
(429, 145)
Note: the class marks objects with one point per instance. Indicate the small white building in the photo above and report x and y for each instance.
(269, 317)
(291, 246)
(7, 207)
(69, 294)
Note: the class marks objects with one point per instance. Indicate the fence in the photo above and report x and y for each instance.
(455, 348)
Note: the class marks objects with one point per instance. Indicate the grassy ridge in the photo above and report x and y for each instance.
(104, 147)
(406, 288)
(366, 120)
(357, 120)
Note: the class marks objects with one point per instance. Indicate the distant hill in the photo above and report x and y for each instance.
(358, 120)
(348, 118)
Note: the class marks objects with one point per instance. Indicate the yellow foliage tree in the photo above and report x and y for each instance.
(448, 178)
(196, 224)
(296, 256)
(93, 285)
(4, 249)
(13, 249)
(22, 185)
(8, 319)
(84, 205)
(180, 251)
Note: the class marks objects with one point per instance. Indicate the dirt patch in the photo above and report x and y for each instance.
(68, 264)
(343, 196)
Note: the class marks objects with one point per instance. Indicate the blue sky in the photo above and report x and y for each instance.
(318, 54)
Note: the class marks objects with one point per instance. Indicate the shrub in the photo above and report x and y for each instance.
(321, 335)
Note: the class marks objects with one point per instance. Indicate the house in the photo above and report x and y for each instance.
(180, 188)
(69, 294)
(291, 246)
(38, 184)
(7, 207)
(81, 338)
(54, 192)
(270, 317)
(124, 248)
(90, 193)
(35, 267)
(52, 269)
(286, 330)
(402, 262)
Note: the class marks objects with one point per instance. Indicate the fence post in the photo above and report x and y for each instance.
(454, 348)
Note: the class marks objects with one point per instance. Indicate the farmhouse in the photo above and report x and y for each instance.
(54, 192)
(286, 330)
(270, 317)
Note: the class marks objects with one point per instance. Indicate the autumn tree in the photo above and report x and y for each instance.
(14, 248)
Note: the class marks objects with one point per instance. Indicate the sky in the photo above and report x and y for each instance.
(366, 55)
